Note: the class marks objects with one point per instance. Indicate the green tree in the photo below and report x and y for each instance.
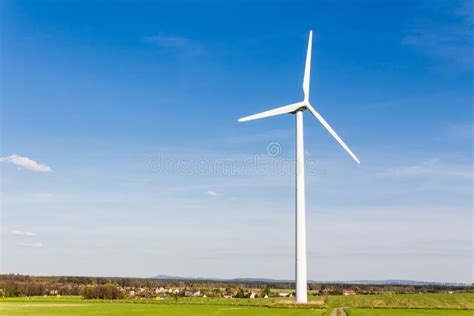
(267, 291)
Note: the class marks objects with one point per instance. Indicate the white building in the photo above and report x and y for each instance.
(160, 290)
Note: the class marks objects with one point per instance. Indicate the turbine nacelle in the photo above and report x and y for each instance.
(303, 107)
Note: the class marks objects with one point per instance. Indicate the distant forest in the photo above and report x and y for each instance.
(14, 285)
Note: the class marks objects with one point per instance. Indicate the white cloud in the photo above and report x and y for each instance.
(212, 193)
(30, 245)
(26, 163)
(22, 233)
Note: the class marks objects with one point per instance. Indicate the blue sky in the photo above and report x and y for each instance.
(96, 94)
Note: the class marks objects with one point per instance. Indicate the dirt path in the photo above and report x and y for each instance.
(338, 312)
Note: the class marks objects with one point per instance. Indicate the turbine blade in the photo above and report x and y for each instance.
(307, 68)
(277, 111)
(331, 131)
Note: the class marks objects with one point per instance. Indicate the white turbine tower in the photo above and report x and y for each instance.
(298, 108)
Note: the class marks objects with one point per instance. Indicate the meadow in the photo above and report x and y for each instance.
(459, 304)
(122, 309)
(407, 301)
(402, 312)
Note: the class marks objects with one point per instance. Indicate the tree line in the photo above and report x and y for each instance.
(14, 285)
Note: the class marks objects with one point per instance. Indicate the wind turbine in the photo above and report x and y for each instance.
(298, 108)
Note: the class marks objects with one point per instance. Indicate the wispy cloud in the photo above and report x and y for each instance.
(450, 41)
(460, 130)
(43, 195)
(175, 42)
(30, 245)
(466, 10)
(266, 136)
(212, 193)
(429, 168)
(22, 233)
(26, 163)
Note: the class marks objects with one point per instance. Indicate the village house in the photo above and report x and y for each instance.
(348, 292)
(160, 290)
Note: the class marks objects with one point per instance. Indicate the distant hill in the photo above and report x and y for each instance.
(267, 280)
(169, 277)
(172, 277)
(392, 282)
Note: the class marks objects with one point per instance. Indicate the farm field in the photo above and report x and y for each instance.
(435, 300)
(460, 304)
(401, 312)
(122, 309)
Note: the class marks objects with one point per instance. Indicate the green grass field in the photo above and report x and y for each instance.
(437, 301)
(122, 309)
(401, 312)
(359, 305)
